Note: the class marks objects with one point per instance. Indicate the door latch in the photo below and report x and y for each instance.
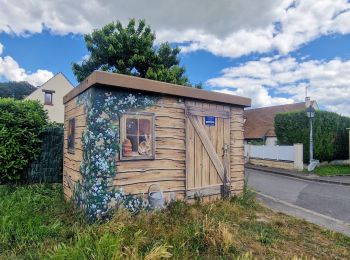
(226, 147)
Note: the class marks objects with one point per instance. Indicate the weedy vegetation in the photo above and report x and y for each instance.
(35, 222)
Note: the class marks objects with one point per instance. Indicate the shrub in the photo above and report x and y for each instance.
(20, 125)
(330, 134)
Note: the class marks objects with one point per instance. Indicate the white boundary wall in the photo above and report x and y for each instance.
(292, 153)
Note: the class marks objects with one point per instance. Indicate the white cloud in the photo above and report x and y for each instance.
(280, 80)
(310, 19)
(10, 70)
(1, 48)
(81, 16)
(228, 28)
(259, 95)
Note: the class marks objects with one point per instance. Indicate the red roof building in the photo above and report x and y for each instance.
(260, 122)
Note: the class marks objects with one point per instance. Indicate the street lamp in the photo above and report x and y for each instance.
(310, 112)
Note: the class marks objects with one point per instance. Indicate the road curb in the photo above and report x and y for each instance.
(277, 172)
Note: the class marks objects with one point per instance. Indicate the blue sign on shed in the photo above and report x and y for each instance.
(209, 120)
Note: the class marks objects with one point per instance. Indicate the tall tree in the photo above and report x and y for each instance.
(130, 50)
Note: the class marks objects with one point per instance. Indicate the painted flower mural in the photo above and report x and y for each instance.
(101, 144)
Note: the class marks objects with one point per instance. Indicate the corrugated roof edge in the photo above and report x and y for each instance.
(136, 83)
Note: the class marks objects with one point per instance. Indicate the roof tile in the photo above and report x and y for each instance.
(260, 122)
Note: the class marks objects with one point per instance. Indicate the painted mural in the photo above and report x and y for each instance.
(101, 144)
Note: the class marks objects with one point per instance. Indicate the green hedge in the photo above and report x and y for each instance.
(330, 134)
(21, 122)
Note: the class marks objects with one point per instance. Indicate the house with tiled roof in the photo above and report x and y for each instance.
(259, 126)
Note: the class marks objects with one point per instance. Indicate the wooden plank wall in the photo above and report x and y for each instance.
(168, 168)
(71, 161)
(237, 150)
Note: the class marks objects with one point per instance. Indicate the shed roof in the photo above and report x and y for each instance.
(260, 122)
(130, 82)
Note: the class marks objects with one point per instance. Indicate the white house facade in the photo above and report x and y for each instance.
(51, 94)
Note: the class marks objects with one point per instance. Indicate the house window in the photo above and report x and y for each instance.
(71, 135)
(137, 136)
(48, 97)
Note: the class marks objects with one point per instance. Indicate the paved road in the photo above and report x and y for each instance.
(324, 204)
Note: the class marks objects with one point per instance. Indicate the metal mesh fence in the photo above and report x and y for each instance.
(48, 167)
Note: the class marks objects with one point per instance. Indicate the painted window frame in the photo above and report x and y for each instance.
(122, 123)
(71, 135)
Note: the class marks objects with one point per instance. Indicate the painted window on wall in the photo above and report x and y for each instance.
(71, 134)
(137, 136)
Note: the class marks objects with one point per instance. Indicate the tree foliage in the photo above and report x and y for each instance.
(330, 134)
(130, 50)
(21, 122)
(17, 90)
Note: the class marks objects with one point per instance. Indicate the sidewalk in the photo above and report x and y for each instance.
(340, 180)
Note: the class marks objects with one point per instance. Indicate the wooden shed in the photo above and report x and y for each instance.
(129, 132)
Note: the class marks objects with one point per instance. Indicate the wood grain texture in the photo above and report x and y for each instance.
(204, 139)
(175, 168)
(237, 150)
(190, 151)
(205, 156)
(205, 110)
(71, 161)
(168, 167)
(204, 192)
(204, 172)
(213, 177)
(142, 188)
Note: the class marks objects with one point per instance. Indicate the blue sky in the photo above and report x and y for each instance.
(56, 53)
(269, 53)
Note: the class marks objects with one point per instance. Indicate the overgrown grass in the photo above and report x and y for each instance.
(332, 170)
(34, 218)
(36, 223)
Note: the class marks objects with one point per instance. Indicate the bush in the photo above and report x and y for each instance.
(20, 125)
(330, 134)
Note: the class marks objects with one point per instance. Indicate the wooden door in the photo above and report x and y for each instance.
(207, 149)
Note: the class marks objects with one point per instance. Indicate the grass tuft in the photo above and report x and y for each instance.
(159, 252)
